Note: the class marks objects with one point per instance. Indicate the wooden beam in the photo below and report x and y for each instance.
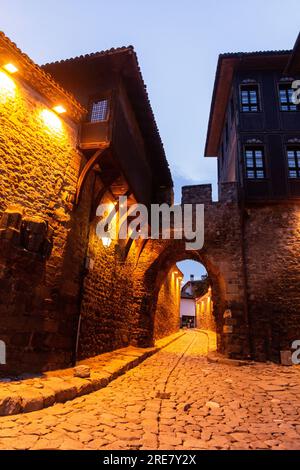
(100, 195)
(87, 168)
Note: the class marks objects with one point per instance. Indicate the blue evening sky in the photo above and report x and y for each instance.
(177, 43)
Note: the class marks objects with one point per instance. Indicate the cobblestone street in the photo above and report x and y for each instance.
(175, 399)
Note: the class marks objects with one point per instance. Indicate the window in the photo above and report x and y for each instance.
(254, 162)
(249, 99)
(293, 156)
(99, 111)
(286, 98)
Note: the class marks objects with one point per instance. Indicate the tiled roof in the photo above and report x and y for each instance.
(254, 53)
(39, 79)
(93, 55)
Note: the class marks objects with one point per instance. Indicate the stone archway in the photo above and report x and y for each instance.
(121, 292)
(172, 253)
(223, 257)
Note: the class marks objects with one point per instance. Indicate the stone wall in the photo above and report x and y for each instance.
(112, 300)
(167, 315)
(272, 242)
(42, 238)
(205, 319)
(108, 299)
(223, 257)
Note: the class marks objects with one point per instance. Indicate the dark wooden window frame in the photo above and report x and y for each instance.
(296, 168)
(287, 85)
(96, 99)
(255, 168)
(259, 100)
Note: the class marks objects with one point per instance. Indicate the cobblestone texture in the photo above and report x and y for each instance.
(175, 399)
(29, 393)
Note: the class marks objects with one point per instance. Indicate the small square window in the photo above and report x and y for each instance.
(254, 162)
(99, 111)
(249, 99)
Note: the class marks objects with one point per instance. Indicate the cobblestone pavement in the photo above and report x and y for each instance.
(173, 400)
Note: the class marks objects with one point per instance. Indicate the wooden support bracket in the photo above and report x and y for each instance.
(87, 168)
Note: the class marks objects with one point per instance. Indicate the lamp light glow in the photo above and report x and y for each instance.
(7, 88)
(11, 68)
(59, 109)
(106, 241)
(51, 120)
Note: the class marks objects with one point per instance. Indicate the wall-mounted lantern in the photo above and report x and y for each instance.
(10, 68)
(59, 109)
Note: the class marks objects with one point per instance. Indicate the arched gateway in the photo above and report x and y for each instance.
(222, 256)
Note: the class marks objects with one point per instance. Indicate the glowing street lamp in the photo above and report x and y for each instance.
(59, 109)
(51, 120)
(10, 68)
(7, 88)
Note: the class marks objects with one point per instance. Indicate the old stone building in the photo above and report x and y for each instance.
(66, 294)
(254, 129)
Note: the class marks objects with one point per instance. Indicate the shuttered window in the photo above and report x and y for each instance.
(293, 158)
(249, 98)
(255, 163)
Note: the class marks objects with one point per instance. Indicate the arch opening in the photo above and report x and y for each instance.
(196, 304)
(164, 304)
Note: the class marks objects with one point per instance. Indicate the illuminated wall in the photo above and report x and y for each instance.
(108, 314)
(39, 167)
(37, 151)
(167, 315)
(204, 312)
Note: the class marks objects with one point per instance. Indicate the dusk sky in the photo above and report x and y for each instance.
(177, 43)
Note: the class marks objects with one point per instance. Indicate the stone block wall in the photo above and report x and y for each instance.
(272, 244)
(42, 238)
(223, 257)
(108, 299)
(205, 319)
(167, 315)
(197, 194)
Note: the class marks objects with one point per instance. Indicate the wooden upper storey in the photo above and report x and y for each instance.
(110, 85)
